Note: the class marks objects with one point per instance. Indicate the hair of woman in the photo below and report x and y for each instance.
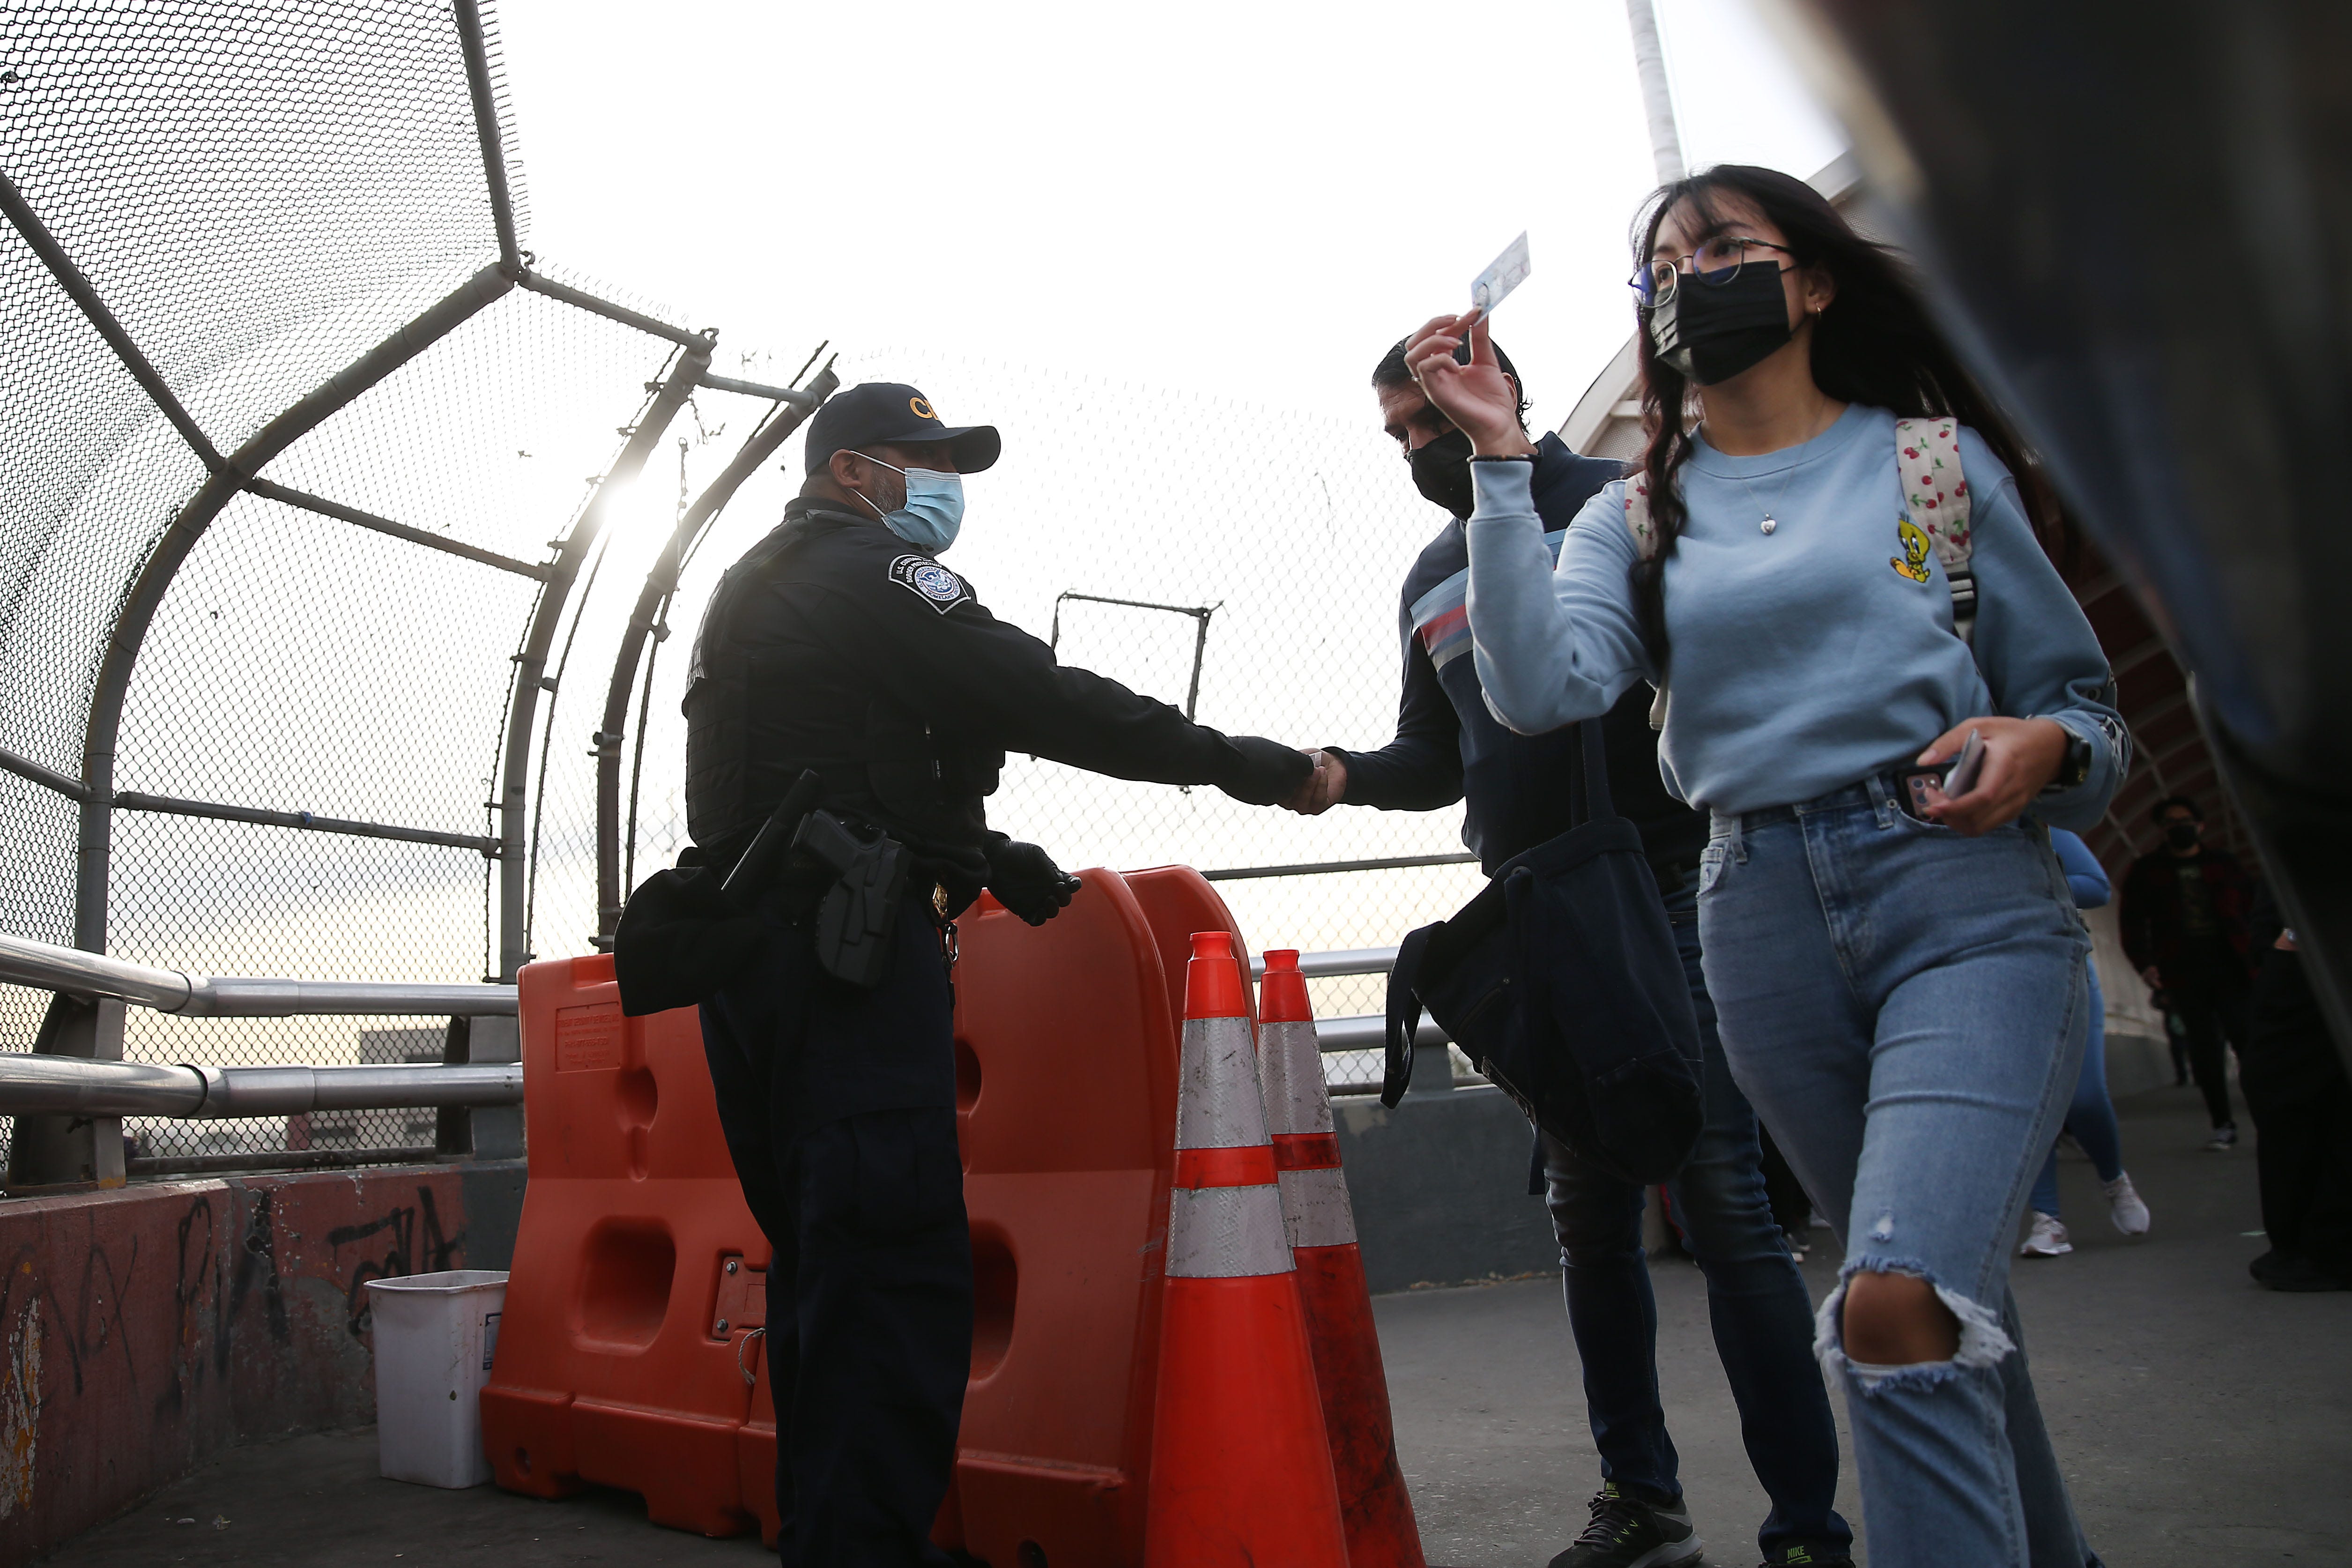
(1872, 344)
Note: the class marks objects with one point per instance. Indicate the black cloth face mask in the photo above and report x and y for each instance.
(1711, 333)
(1441, 472)
(2180, 834)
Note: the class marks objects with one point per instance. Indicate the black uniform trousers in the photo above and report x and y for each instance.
(2302, 1105)
(870, 1294)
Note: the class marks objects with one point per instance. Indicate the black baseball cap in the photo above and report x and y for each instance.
(874, 412)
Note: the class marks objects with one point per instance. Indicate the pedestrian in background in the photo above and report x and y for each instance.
(1899, 977)
(2300, 1101)
(1519, 792)
(2184, 927)
(2091, 1115)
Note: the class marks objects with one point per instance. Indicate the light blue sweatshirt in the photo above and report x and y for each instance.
(1804, 659)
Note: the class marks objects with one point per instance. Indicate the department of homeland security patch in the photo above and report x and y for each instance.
(932, 582)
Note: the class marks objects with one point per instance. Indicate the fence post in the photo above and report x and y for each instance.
(491, 1131)
(62, 1150)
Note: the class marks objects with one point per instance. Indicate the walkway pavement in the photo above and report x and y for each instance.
(2204, 1421)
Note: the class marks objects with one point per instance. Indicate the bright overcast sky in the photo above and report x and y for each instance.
(1250, 197)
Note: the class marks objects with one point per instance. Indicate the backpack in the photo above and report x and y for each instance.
(1934, 502)
(1562, 984)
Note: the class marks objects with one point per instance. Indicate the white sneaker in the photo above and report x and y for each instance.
(2047, 1239)
(2124, 1206)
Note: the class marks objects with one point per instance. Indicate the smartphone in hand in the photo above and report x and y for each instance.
(1935, 783)
(1966, 767)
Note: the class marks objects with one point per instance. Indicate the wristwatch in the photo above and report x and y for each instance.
(2074, 767)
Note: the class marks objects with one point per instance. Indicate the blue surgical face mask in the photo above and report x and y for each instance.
(933, 514)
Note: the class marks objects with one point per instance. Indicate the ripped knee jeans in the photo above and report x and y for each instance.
(1905, 1008)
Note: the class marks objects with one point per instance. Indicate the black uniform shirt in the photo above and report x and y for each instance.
(834, 645)
(1521, 788)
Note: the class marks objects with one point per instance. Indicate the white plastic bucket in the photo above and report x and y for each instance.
(435, 1336)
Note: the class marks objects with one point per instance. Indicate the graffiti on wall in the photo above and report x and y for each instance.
(400, 1254)
(20, 1410)
(198, 1314)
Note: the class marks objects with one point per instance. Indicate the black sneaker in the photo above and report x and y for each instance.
(2299, 1273)
(1787, 1556)
(1630, 1532)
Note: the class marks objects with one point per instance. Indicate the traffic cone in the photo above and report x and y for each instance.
(1374, 1506)
(1241, 1469)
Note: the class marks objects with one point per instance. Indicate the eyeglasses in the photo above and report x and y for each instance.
(1714, 264)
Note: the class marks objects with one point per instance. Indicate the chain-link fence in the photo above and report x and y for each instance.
(301, 447)
(344, 543)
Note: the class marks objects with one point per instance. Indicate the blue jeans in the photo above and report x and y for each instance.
(2090, 1115)
(1756, 1302)
(1906, 1006)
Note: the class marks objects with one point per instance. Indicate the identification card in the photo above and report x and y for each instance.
(1505, 273)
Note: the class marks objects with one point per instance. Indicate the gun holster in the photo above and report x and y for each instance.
(857, 917)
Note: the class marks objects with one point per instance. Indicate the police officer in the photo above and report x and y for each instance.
(840, 645)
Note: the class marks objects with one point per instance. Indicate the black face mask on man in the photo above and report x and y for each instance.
(2180, 834)
(1711, 332)
(1441, 472)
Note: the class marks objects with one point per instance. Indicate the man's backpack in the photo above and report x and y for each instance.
(1562, 982)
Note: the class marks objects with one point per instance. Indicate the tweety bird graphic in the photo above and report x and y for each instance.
(1913, 562)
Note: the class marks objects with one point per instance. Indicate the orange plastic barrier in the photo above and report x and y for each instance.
(1178, 902)
(612, 1367)
(1353, 1385)
(637, 1268)
(1241, 1469)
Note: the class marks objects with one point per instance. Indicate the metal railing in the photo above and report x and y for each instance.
(47, 967)
(77, 1086)
(86, 1087)
(1343, 961)
(70, 1086)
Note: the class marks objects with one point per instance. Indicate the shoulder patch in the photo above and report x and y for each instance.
(929, 581)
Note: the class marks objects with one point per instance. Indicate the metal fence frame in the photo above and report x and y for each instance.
(75, 1029)
(241, 472)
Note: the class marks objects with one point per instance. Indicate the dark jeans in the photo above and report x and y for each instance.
(870, 1294)
(1756, 1303)
(2302, 1108)
(2212, 1003)
(1792, 1208)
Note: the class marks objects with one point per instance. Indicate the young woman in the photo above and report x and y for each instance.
(2090, 1115)
(1900, 995)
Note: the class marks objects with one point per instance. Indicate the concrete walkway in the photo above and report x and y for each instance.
(2204, 1421)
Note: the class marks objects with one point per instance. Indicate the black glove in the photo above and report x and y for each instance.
(1026, 880)
(1271, 772)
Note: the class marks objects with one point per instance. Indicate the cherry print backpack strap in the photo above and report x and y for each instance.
(1646, 546)
(1936, 500)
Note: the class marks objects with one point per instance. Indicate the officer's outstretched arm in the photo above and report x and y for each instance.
(938, 650)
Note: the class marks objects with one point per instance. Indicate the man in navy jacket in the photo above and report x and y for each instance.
(1518, 791)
